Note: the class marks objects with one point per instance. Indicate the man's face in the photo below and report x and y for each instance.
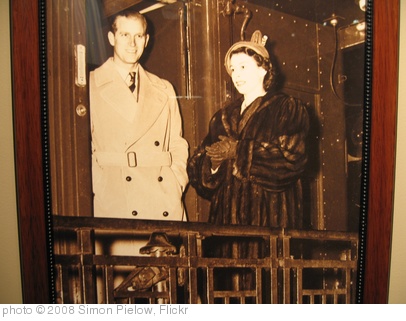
(129, 41)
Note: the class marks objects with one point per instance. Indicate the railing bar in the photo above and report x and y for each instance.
(322, 235)
(177, 261)
(147, 226)
(348, 286)
(202, 262)
(183, 262)
(193, 248)
(274, 285)
(230, 293)
(258, 285)
(324, 291)
(299, 285)
(65, 284)
(109, 283)
(58, 283)
(333, 264)
(286, 283)
(148, 295)
(273, 246)
(140, 260)
(206, 229)
(192, 283)
(172, 285)
(210, 285)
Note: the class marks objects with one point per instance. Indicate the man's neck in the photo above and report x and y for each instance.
(124, 70)
(125, 67)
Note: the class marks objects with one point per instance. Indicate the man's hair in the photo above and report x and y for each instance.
(131, 14)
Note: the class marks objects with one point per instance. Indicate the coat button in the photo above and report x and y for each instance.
(165, 213)
(134, 213)
(156, 143)
(128, 178)
(160, 179)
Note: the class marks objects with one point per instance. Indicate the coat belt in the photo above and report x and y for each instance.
(134, 159)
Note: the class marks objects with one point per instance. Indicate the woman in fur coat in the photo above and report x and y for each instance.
(250, 163)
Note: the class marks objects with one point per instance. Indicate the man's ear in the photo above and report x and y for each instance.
(146, 40)
(110, 36)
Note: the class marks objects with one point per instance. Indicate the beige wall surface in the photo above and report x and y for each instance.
(397, 286)
(10, 284)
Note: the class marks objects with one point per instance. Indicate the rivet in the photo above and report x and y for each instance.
(81, 110)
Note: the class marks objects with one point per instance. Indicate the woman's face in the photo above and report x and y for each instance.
(247, 76)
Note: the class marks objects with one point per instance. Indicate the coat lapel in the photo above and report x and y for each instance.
(151, 101)
(115, 91)
(257, 105)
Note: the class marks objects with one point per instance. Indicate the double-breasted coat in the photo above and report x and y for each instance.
(138, 153)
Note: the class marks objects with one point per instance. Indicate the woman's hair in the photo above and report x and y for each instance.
(269, 79)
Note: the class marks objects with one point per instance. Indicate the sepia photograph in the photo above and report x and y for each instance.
(206, 151)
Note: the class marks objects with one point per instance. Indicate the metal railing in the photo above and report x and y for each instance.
(190, 262)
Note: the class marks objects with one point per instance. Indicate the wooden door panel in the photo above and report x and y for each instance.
(68, 105)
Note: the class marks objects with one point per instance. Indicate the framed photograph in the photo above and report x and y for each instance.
(283, 180)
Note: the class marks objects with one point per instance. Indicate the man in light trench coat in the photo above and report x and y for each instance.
(138, 152)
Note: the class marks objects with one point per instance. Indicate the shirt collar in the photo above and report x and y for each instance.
(124, 72)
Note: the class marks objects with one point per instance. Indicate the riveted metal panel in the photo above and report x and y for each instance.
(292, 42)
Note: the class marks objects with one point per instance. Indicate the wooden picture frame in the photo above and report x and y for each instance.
(32, 174)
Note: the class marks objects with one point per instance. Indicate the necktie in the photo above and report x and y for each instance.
(131, 83)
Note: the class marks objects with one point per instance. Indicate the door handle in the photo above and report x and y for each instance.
(80, 65)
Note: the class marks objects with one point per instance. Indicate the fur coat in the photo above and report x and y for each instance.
(262, 185)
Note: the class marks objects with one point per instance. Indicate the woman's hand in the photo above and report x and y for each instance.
(225, 148)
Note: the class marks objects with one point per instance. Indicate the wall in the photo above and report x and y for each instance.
(10, 290)
(397, 287)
